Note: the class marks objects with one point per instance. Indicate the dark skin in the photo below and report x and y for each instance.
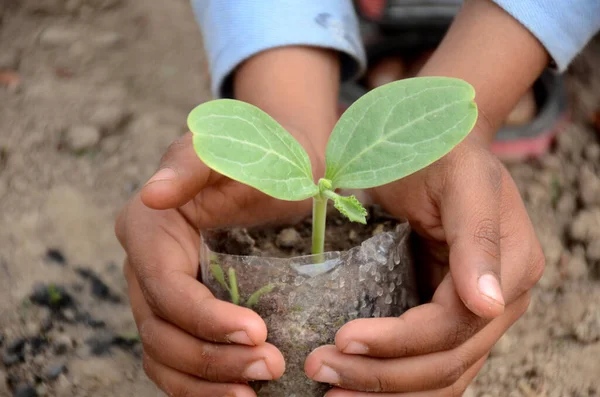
(482, 254)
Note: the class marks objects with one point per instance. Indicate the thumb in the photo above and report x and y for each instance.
(180, 177)
(470, 210)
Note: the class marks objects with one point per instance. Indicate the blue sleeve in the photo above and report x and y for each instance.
(235, 30)
(564, 27)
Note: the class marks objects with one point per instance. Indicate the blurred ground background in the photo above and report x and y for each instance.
(91, 94)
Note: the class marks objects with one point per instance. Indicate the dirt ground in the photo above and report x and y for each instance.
(93, 91)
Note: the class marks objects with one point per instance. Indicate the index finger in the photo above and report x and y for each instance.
(162, 249)
(470, 214)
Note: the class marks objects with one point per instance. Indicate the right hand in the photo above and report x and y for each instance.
(194, 344)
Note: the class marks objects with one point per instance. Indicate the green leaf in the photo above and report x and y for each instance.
(349, 206)
(253, 300)
(244, 143)
(217, 273)
(397, 129)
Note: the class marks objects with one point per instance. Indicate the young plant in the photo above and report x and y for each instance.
(232, 286)
(389, 133)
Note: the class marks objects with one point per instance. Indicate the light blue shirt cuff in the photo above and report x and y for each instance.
(235, 30)
(563, 27)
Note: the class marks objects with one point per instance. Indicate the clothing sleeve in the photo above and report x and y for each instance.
(235, 30)
(564, 27)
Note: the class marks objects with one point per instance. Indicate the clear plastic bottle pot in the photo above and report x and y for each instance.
(305, 301)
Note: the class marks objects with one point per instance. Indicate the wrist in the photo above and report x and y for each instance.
(298, 87)
(498, 56)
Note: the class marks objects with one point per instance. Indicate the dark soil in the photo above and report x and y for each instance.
(285, 242)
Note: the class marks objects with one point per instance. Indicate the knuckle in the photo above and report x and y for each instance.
(523, 304)
(126, 271)
(380, 383)
(486, 235)
(202, 316)
(492, 171)
(451, 371)
(207, 367)
(174, 149)
(466, 327)
(148, 367)
(537, 266)
(148, 282)
(148, 334)
(456, 390)
(179, 390)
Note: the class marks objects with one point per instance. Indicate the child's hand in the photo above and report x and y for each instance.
(469, 214)
(193, 343)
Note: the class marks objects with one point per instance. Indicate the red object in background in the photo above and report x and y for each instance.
(533, 147)
(372, 9)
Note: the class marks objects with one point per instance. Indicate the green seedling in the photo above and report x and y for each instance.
(232, 286)
(54, 295)
(389, 133)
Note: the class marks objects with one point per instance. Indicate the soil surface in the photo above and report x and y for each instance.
(286, 241)
(93, 91)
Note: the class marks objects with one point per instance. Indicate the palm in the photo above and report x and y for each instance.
(411, 199)
(229, 203)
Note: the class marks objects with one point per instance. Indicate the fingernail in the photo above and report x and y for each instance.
(165, 174)
(490, 287)
(327, 375)
(258, 370)
(356, 348)
(240, 337)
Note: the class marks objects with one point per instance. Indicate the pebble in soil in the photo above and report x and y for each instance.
(289, 238)
(53, 370)
(55, 255)
(109, 118)
(25, 390)
(62, 344)
(98, 287)
(58, 36)
(80, 138)
(14, 352)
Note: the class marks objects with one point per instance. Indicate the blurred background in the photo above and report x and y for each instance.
(91, 94)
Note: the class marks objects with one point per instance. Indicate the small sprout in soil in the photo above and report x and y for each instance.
(339, 322)
(555, 190)
(388, 134)
(127, 339)
(232, 287)
(253, 300)
(54, 295)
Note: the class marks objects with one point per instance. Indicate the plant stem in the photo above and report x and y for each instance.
(235, 294)
(319, 218)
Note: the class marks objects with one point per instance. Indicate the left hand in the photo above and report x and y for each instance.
(470, 217)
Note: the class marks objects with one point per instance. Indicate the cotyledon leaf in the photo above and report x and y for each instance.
(397, 129)
(244, 143)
